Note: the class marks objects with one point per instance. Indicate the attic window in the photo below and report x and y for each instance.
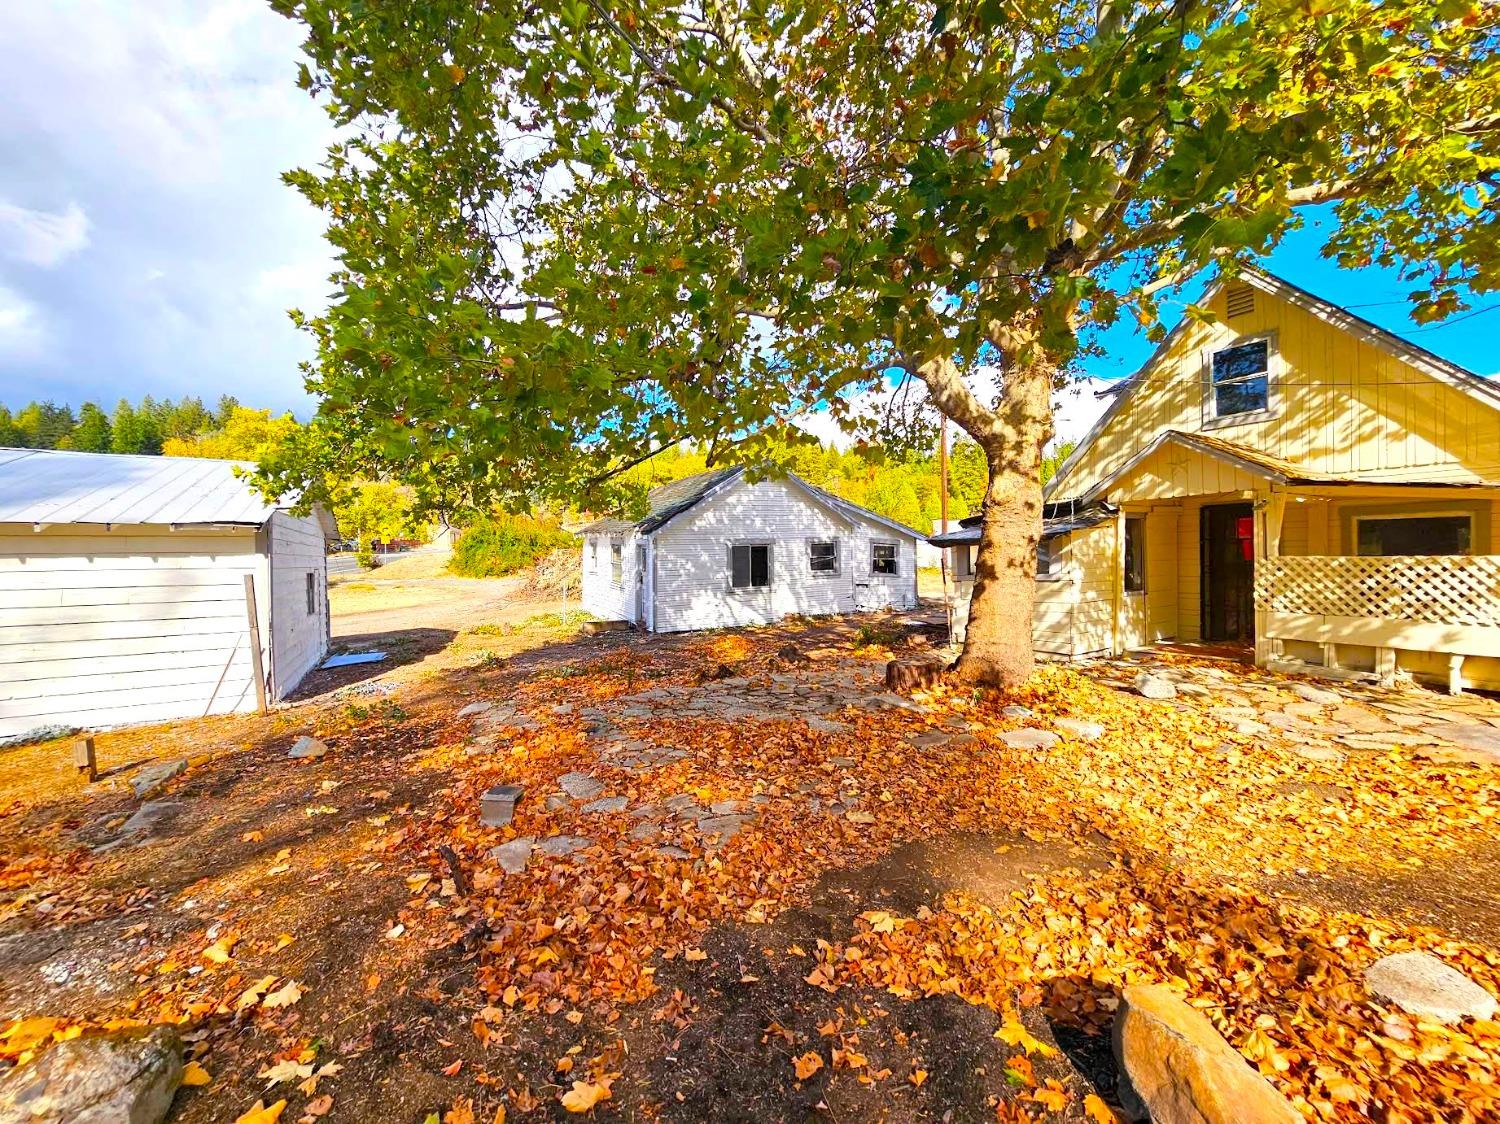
(1239, 300)
(1241, 378)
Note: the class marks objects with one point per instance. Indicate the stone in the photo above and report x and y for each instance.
(514, 856)
(1029, 739)
(1081, 728)
(557, 800)
(667, 851)
(148, 817)
(1017, 712)
(1421, 984)
(1175, 1068)
(559, 845)
(1318, 695)
(595, 628)
(608, 804)
(727, 827)
(126, 1077)
(724, 807)
(497, 807)
(915, 673)
(580, 786)
(1150, 686)
(1481, 740)
(153, 779)
(306, 748)
(476, 708)
(1323, 753)
(1194, 690)
(930, 741)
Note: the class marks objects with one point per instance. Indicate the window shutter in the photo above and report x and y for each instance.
(739, 566)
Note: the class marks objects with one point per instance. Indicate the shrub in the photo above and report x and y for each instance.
(504, 544)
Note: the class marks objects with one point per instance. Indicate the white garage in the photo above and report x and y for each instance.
(141, 589)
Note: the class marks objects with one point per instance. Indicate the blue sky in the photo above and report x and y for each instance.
(147, 244)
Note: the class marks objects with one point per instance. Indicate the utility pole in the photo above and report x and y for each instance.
(943, 517)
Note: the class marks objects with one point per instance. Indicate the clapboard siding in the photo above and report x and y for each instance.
(133, 624)
(299, 639)
(602, 597)
(691, 564)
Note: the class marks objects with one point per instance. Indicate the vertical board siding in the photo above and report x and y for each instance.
(691, 564)
(298, 640)
(137, 624)
(1341, 405)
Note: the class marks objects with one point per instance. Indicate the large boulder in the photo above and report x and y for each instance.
(128, 1077)
(1175, 1068)
(1423, 985)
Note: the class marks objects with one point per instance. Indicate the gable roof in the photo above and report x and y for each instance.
(1057, 519)
(667, 501)
(59, 486)
(1487, 390)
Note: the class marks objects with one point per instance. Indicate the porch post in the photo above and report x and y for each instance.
(1117, 641)
(1269, 516)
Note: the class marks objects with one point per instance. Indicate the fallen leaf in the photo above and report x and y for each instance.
(1013, 1032)
(284, 996)
(807, 1065)
(260, 1114)
(319, 1106)
(584, 1095)
(1101, 1112)
(195, 1074)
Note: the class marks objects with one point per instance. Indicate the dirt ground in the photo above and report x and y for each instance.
(790, 895)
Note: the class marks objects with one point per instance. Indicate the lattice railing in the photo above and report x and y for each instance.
(1442, 589)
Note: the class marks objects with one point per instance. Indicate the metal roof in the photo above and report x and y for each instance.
(1057, 519)
(55, 486)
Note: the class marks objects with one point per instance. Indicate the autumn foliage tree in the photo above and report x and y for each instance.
(573, 233)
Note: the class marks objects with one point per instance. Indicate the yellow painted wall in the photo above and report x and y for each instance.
(1341, 405)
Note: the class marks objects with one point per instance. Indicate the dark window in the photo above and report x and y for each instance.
(1135, 555)
(963, 561)
(823, 557)
(1241, 378)
(1425, 534)
(312, 595)
(616, 563)
(750, 566)
(1047, 562)
(883, 558)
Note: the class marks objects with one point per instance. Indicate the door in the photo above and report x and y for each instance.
(640, 586)
(1227, 552)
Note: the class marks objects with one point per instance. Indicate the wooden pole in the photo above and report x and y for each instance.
(943, 516)
(83, 757)
(256, 667)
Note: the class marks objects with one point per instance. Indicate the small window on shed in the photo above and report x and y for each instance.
(823, 557)
(963, 562)
(750, 565)
(883, 558)
(312, 594)
(1135, 555)
(616, 563)
(1048, 564)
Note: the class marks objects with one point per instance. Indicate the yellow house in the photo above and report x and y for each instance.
(1291, 477)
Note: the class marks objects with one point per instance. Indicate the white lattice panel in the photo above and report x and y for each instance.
(1444, 589)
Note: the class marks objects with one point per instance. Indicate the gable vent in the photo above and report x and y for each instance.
(1239, 300)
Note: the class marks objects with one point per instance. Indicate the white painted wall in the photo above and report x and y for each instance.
(602, 597)
(138, 624)
(299, 639)
(691, 564)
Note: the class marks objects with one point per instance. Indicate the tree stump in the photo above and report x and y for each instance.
(914, 673)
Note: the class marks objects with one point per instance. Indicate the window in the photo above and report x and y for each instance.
(1048, 564)
(616, 563)
(823, 557)
(312, 594)
(883, 558)
(750, 565)
(1135, 555)
(1241, 379)
(1417, 534)
(963, 562)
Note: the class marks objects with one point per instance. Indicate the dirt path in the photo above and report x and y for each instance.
(370, 605)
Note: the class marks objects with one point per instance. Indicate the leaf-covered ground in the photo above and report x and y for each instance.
(790, 896)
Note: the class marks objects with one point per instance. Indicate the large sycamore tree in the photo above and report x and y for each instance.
(576, 231)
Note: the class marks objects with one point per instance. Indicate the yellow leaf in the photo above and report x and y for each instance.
(195, 1074)
(499, 1115)
(918, 1076)
(260, 1114)
(284, 996)
(219, 952)
(695, 954)
(584, 1096)
(807, 1065)
(1013, 1032)
(252, 994)
(1100, 1111)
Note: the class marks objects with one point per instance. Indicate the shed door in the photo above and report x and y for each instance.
(1227, 550)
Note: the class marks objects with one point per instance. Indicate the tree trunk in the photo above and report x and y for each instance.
(998, 643)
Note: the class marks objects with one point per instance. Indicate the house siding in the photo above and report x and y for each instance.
(299, 640)
(602, 598)
(691, 578)
(137, 624)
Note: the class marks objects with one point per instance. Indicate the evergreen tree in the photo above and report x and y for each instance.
(92, 434)
(135, 430)
(44, 425)
(10, 437)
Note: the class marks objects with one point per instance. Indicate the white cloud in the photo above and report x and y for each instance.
(42, 238)
(22, 331)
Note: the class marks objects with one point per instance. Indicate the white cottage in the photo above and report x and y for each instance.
(126, 586)
(719, 550)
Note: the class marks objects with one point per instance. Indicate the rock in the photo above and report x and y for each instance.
(667, 851)
(1151, 686)
(790, 653)
(148, 817)
(1080, 728)
(914, 673)
(152, 779)
(1195, 690)
(1323, 753)
(1030, 739)
(1017, 712)
(580, 786)
(1484, 741)
(475, 708)
(559, 845)
(1176, 1069)
(724, 807)
(307, 747)
(930, 741)
(497, 807)
(514, 856)
(126, 1077)
(608, 804)
(725, 826)
(1423, 985)
(557, 800)
(1321, 696)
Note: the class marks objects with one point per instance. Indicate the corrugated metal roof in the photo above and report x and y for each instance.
(1057, 519)
(54, 486)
